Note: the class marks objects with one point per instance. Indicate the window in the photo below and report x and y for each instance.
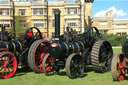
(23, 0)
(121, 33)
(121, 25)
(23, 23)
(38, 23)
(4, 12)
(38, 12)
(6, 25)
(72, 24)
(36, 2)
(72, 11)
(104, 23)
(3, 2)
(103, 31)
(22, 12)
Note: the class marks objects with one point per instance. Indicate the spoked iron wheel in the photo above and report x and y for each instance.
(118, 72)
(36, 54)
(74, 66)
(49, 66)
(101, 56)
(8, 64)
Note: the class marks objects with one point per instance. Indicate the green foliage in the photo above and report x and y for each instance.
(115, 40)
(18, 27)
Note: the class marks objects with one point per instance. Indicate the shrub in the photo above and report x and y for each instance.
(115, 40)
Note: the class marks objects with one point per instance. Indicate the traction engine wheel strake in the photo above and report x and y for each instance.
(101, 56)
(118, 72)
(48, 65)
(36, 54)
(74, 66)
(8, 64)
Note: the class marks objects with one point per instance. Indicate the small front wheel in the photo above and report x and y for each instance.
(8, 64)
(48, 65)
(74, 66)
(118, 70)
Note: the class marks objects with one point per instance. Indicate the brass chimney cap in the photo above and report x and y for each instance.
(57, 11)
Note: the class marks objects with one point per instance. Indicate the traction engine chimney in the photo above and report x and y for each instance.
(57, 23)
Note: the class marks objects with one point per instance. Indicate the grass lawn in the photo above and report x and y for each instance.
(90, 78)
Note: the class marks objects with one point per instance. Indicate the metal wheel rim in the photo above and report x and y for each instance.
(118, 73)
(8, 65)
(39, 54)
(36, 34)
(105, 58)
(74, 66)
(48, 65)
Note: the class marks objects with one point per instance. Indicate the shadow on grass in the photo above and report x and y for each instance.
(63, 73)
(88, 69)
(21, 72)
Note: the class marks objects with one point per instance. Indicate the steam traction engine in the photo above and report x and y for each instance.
(14, 52)
(73, 51)
(120, 64)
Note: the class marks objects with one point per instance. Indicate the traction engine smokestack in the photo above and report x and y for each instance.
(57, 23)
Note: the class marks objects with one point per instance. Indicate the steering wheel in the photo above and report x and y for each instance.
(94, 33)
(32, 34)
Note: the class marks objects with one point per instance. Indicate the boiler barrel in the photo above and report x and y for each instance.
(12, 46)
(64, 49)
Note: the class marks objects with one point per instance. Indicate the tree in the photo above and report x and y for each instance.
(20, 29)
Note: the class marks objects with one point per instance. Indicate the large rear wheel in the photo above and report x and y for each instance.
(36, 54)
(49, 66)
(101, 56)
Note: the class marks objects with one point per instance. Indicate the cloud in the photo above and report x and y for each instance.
(116, 13)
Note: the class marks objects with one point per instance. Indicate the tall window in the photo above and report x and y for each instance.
(103, 31)
(121, 26)
(3, 2)
(72, 11)
(38, 11)
(38, 23)
(6, 25)
(4, 12)
(72, 23)
(121, 33)
(103, 23)
(22, 12)
(23, 23)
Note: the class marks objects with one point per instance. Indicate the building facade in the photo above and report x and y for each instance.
(110, 25)
(40, 13)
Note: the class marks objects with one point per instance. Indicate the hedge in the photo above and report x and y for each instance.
(115, 40)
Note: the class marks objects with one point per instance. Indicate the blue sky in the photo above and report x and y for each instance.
(120, 8)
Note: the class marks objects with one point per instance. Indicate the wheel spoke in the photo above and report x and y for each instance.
(11, 60)
(1, 68)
